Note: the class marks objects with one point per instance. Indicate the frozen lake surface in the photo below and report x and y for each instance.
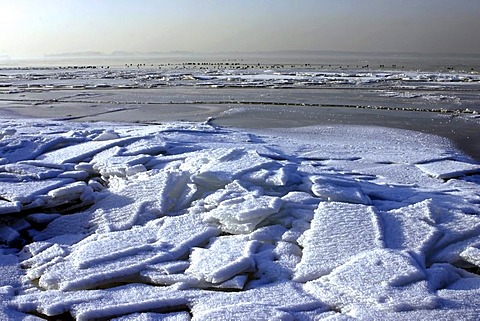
(187, 220)
(240, 190)
(433, 98)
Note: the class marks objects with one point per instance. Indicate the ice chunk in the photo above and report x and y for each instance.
(31, 172)
(7, 207)
(300, 200)
(102, 258)
(26, 192)
(449, 168)
(242, 214)
(338, 231)
(221, 166)
(107, 135)
(264, 177)
(224, 257)
(285, 296)
(190, 281)
(411, 228)
(149, 145)
(152, 194)
(7, 234)
(174, 316)
(338, 190)
(77, 175)
(382, 279)
(109, 162)
(442, 275)
(26, 147)
(460, 231)
(471, 255)
(107, 304)
(98, 248)
(244, 311)
(10, 271)
(170, 267)
(80, 152)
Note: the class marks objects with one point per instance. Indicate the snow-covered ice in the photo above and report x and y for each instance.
(188, 221)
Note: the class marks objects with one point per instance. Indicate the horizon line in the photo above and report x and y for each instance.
(123, 53)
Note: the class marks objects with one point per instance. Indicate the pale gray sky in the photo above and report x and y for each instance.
(34, 28)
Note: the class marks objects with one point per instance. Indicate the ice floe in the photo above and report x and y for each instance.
(187, 221)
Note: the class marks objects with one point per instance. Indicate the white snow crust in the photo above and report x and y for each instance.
(187, 221)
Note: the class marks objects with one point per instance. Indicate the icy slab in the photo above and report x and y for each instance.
(446, 169)
(462, 297)
(238, 210)
(151, 195)
(175, 316)
(102, 258)
(150, 145)
(460, 231)
(338, 190)
(9, 270)
(30, 172)
(373, 278)
(471, 255)
(224, 257)
(18, 147)
(283, 296)
(338, 231)
(26, 192)
(8, 311)
(115, 302)
(411, 228)
(83, 151)
(244, 312)
(218, 167)
(242, 214)
(109, 162)
(7, 207)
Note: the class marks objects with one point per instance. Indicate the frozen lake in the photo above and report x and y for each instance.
(206, 192)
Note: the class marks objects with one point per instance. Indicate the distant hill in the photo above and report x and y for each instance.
(76, 54)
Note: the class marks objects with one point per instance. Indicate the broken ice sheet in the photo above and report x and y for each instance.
(107, 304)
(372, 250)
(103, 258)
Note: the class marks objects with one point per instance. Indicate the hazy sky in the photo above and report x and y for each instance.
(34, 27)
